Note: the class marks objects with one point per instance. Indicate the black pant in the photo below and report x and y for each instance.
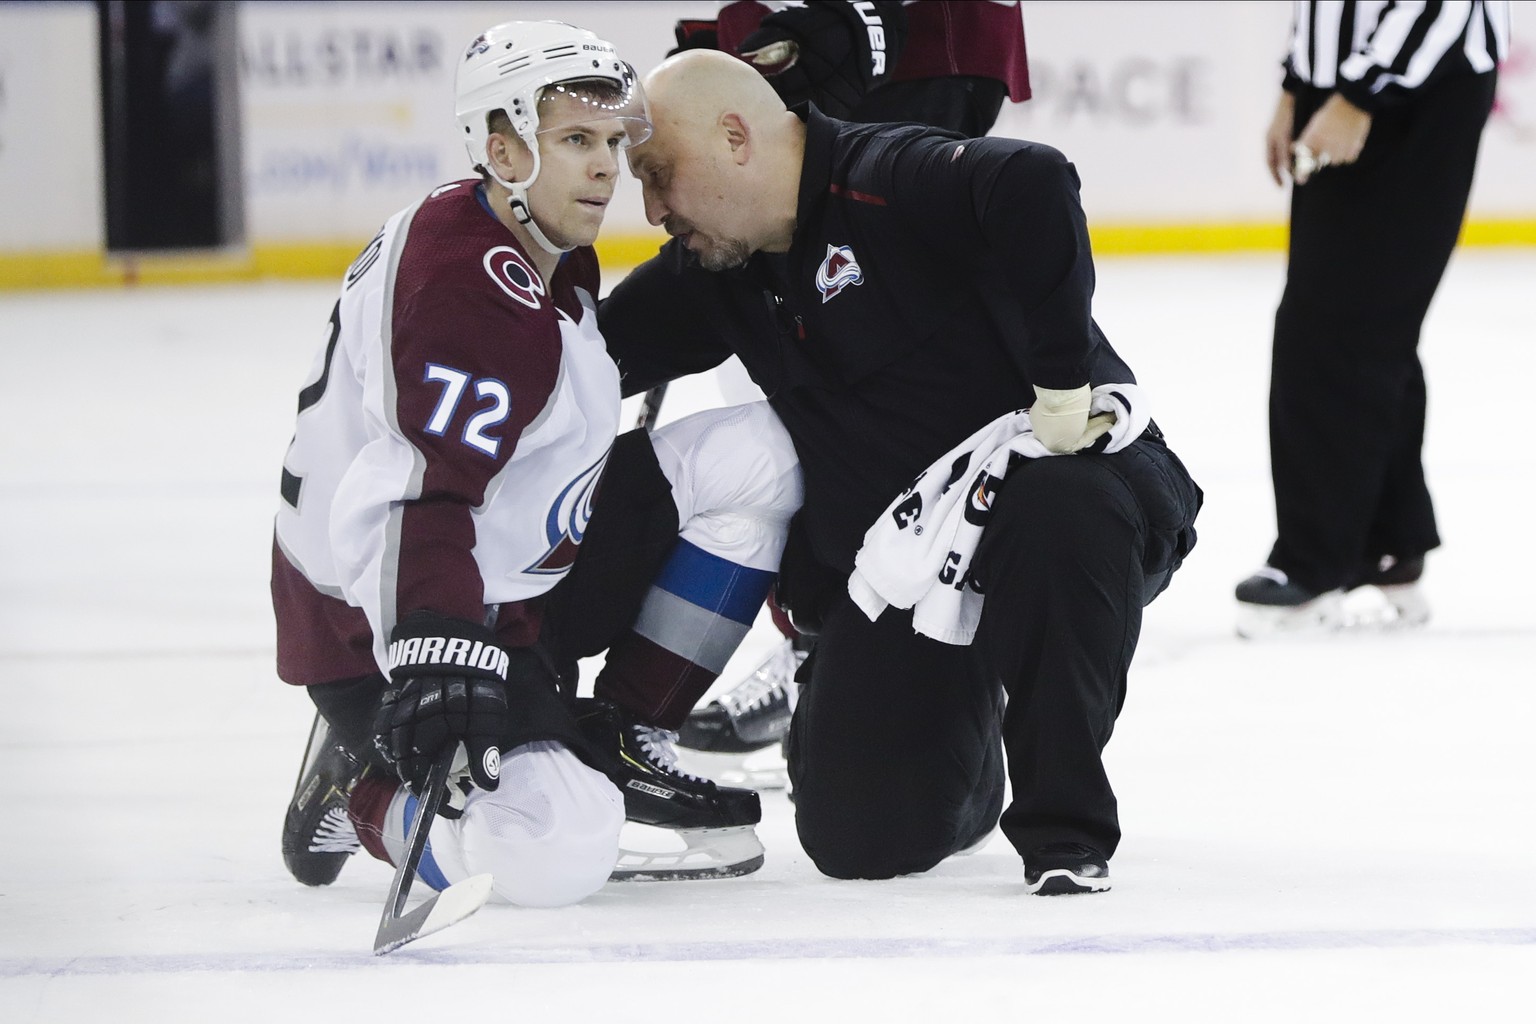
(896, 750)
(1369, 245)
(633, 529)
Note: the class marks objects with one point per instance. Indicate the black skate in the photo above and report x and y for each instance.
(716, 823)
(1270, 604)
(318, 837)
(1384, 596)
(729, 738)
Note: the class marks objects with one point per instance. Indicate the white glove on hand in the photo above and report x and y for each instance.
(1060, 419)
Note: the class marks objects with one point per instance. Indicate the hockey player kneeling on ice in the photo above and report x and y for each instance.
(461, 523)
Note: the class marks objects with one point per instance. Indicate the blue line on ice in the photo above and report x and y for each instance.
(788, 948)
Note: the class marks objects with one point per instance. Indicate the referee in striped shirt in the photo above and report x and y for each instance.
(1382, 109)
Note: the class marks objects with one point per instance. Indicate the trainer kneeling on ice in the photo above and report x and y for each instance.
(460, 523)
(974, 573)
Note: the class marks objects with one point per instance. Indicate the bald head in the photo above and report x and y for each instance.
(697, 87)
(722, 168)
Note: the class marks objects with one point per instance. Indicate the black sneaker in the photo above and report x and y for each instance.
(750, 716)
(716, 822)
(318, 837)
(1065, 869)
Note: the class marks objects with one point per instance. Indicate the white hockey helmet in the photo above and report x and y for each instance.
(509, 67)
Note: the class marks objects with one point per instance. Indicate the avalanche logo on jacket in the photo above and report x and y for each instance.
(567, 519)
(838, 271)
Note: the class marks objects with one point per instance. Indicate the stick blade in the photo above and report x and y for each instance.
(448, 907)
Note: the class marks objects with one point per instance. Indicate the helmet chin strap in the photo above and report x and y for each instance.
(524, 216)
(518, 201)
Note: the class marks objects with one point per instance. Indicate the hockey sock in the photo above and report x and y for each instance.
(695, 615)
(368, 807)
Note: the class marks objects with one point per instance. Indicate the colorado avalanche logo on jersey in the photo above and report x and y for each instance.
(514, 276)
(566, 521)
(838, 271)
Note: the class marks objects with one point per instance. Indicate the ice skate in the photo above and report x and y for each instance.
(737, 738)
(1270, 604)
(714, 823)
(318, 837)
(1386, 596)
(1397, 580)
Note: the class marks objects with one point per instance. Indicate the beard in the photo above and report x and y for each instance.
(727, 254)
(714, 254)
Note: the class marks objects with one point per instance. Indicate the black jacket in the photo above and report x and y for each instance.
(970, 280)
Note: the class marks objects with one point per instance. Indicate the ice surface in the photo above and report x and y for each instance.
(1321, 829)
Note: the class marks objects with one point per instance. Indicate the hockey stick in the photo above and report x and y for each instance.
(651, 407)
(450, 906)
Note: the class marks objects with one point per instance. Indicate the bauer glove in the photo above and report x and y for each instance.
(828, 52)
(447, 686)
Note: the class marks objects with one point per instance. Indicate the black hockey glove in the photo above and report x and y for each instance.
(448, 684)
(830, 52)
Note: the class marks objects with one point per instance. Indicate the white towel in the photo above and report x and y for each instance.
(918, 553)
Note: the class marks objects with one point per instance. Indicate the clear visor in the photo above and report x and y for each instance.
(592, 101)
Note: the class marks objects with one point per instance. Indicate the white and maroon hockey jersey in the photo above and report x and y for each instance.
(448, 445)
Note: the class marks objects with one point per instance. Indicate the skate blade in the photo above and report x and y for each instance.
(1365, 611)
(708, 853)
(1321, 615)
(764, 768)
(319, 733)
(1407, 606)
